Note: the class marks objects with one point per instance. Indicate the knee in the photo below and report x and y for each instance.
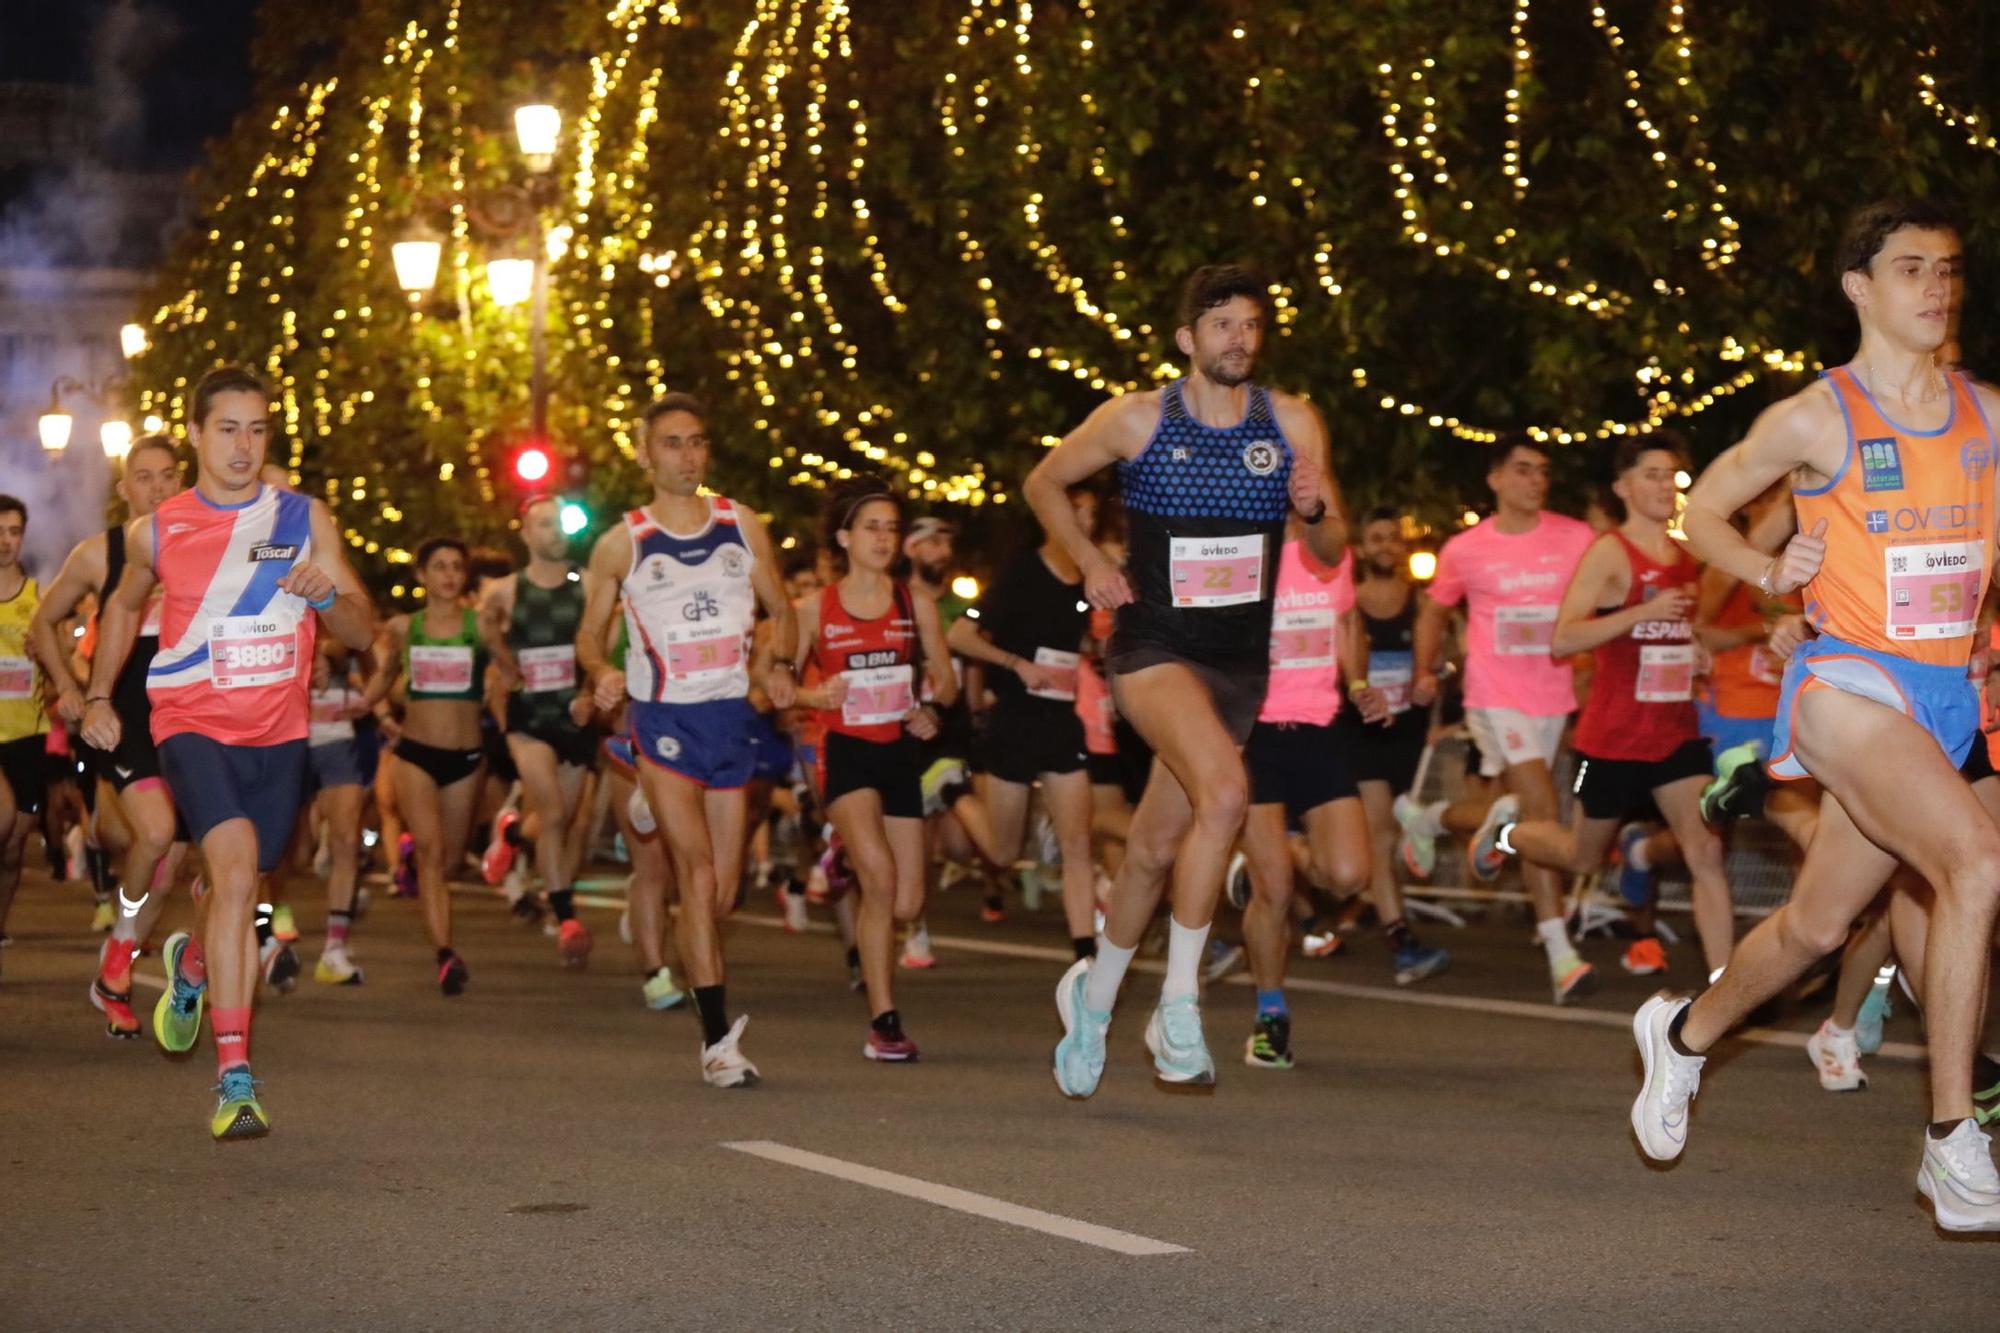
(1970, 880)
(1222, 800)
(1345, 873)
(1813, 935)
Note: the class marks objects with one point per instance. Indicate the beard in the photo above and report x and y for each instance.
(929, 571)
(1221, 370)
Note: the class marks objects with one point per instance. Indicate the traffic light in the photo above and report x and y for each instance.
(532, 465)
(572, 517)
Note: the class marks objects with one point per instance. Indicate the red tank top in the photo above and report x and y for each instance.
(1641, 703)
(877, 656)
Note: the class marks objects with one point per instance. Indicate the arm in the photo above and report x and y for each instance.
(1802, 431)
(967, 639)
(1433, 623)
(1314, 490)
(1350, 639)
(328, 582)
(609, 560)
(831, 692)
(1107, 435)
(496, 608)
(1601, 576)
(81, 572)
(387, 655)
(937, 656)
(117, 626)
(781, 677)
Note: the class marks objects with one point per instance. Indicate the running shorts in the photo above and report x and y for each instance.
(213, 783)
(443, 767)
(1237, 692)
(709, 744)
(24, 764)
(1615, 788)
(1507, 736)
(891, 769)
(1020, 744)
(1387, 754)
(335, 764)
(1937, 698)
(1726, 733)
(1297, 765)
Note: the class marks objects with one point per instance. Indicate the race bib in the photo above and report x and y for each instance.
(1301, 639)
(330, 707)
(1216, 571)
(440, 669)
(695, 653)
(1933, 589)
(877, 695)
(545, 669)
(244, 651)
(1524, 631)
(1064, 666)
(1765, 666)
(17, 678)
(1666, 674)
(1390, 673)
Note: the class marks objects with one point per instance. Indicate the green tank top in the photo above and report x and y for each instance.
(446, 668)
(542, 633)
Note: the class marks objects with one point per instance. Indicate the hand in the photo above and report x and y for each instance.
(1424, 690)
(308, 583)
(1786, 635)
(1795, 566)
(1033, 675)
(610, 690)
(1704, 661)
(922, 723)
(581, 707)
(1105, 585)
(390, 729)
(1307, 496)
(69, 704)
(1372, 704)
(833, 693)
(1674, 604)
(509, 674)
(781, 687)
(101, 726)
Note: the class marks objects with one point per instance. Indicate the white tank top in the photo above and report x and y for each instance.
(689, 608)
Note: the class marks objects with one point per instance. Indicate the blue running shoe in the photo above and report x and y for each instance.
(1635, 886)
(1180, 1051)
(1875, 1011)
(1417, 960)
(1079, 1059)
(177, 1017)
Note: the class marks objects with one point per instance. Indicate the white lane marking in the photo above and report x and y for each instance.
(964, 1201)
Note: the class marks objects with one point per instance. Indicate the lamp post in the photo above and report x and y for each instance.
(57, 424)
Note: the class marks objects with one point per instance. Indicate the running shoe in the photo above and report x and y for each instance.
(660, 991)
(1635, 886)
(1079, 1057)
(1986, 1104)
(499, 857)
(1572, 978)
(177, 1016)
(281, 966)
(1270, 1046)
(1739, 787)
(362, 901)
(1645, 958)
(406, 867)
(1417, 961)
(238, 1114)
(573, 943)
(1485, 855)
(856, 982)
(282, 925)
(639, 811)
(103, 917)
(116, 1006)
(917, 954)
(895, 1050)
(1223, 958)
(1957, 1176)
(1180, 1052)
(725, 1066)
(452, 975)
(1836, 1057)
(993, 909)
(527, 910)
(1031, 887)
(1321, 943)
(1875, 1011)
(1236, 884)
(335, 968)
(1669, 1083)
(792, 901)
(1416, 846)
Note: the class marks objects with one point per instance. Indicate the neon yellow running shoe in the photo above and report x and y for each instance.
(237, 1112)
(103, 917)
(282, 924)
(177, 1017)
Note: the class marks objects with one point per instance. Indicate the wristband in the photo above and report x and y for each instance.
(1314, 517)
(1764, 579)
(787, 663)
(98, 699)
(1356, 686)
(331, 598)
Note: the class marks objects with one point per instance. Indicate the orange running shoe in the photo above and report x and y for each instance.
(1645, 958)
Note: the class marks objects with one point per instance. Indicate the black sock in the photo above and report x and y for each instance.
(1941, 1129)
(708, 1002)
(1085, 945)
(445, 955)
(1674, 1034)
(1400, 934)
(854, 957)
(513, 838)
(889, 1023)
(99, 863)
(1985, 1072)
(563, 903)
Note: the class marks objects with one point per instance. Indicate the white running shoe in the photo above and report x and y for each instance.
(1180, 1050)
(640, 813)
(1486, 856)
(1957, 1176)
(917, 954)
(1236, 883)
(1079, 1057)
(1671, 1080)
(723, 1065)
(794, 905)
(1837, 1057)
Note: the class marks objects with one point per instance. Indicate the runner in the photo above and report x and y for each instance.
(337, 781)
(1210, 466)
(23, 727)
(130, 777)
(1029, 623)
(439, 754)
(1629, 604)
(691, 569)
(872, 641)
(1893, 471)
(239, 565)
(1384, 755)
(529, 622)
(1510, 572)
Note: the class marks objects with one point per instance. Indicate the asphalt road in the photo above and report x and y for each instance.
(541, 1152)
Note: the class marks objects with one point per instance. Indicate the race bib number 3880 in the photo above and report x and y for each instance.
(245, 651)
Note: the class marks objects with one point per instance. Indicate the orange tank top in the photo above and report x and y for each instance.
(1909, 538)
(1743, 681)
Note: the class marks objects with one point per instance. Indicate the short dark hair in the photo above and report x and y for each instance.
(1635, 447)
(1509, 441)
(844, 500)
(1383, 514)
(430, 546)
(1874, 223)
(1212, 285)
(671, 402)
(221, 380)
(10, 504)
(805, 560)
(154, 441)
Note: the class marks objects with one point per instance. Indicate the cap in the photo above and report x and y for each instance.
(930, 527)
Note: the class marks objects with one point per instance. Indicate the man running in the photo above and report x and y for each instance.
(23, 726)
(1510, 572)
(1892, 466)
(529, 622)
(132, 772)
(1211, 467)
(239, 564)
(691, 569)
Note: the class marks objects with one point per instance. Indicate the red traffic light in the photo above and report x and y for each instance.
(532, 464)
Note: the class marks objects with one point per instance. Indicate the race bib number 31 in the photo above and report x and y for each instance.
(691, 653)
(1524, 631)
(1933, 589)
(877, 695)
(546, 669)
(1666, 674)
(1216, 571)
(245, 651)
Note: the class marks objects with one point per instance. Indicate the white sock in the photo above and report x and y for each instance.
(1184, 946)
(1835, 1030)
(1555, 939)
(1100, 987)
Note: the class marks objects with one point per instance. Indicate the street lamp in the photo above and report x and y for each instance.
(116, 437)
(132, 340)
(537, 128)
(512, 281)
(54, 426)
(416, 259)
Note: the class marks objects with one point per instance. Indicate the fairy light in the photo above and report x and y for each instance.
(1968, 123)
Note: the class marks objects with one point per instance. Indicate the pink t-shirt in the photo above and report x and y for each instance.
(1305, 619)
(1512, 584)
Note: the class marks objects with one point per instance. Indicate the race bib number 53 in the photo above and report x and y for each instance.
(1216, 571)
(1933, 589)
(244, 651)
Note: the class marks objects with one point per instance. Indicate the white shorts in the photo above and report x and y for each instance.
(1508, 736)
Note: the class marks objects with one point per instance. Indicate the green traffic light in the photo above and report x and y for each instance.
(573, 518)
